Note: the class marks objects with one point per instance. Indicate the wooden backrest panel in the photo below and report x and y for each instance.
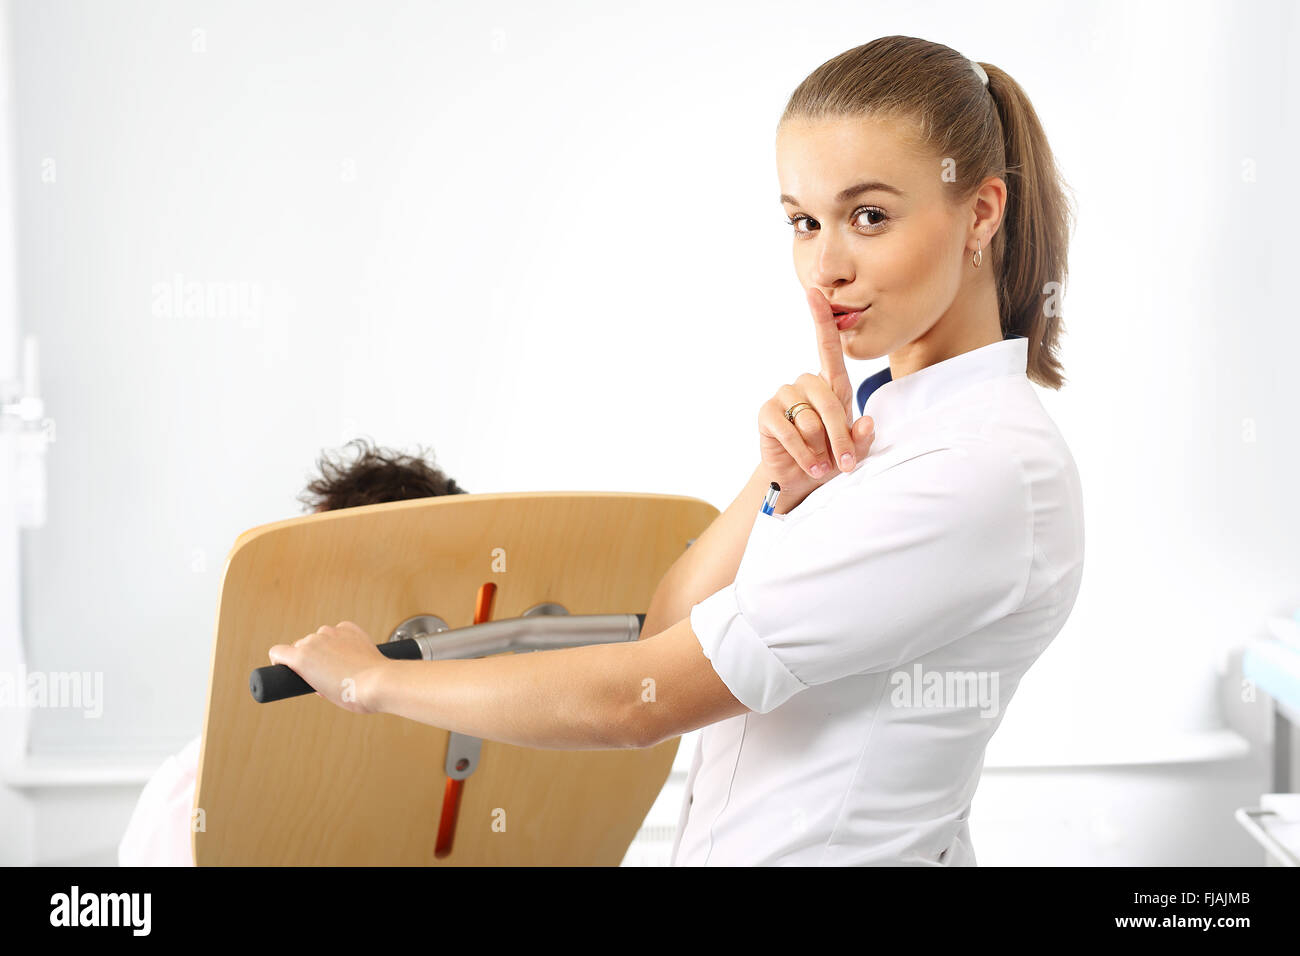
(301, 782)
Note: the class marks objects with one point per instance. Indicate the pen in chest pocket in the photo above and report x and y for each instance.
(769, 502)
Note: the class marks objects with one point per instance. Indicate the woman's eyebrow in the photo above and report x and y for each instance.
(853, 191)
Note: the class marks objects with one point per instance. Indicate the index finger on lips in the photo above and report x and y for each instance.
(829, 349)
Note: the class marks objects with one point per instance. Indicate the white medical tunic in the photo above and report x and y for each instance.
(877, 632)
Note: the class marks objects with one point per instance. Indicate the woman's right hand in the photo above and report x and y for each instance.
(820, 436)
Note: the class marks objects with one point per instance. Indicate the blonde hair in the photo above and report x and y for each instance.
(985, 131)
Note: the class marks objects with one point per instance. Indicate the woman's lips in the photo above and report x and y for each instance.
(848, 320)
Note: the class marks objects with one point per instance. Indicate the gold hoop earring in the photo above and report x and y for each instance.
(978, 256)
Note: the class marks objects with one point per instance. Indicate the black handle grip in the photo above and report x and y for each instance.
(279, 681)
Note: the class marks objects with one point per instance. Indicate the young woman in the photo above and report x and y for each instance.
(851, 653)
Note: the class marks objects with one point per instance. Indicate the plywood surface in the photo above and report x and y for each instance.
(301, 782)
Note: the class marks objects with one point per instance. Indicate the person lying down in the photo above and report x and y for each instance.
(158, 833)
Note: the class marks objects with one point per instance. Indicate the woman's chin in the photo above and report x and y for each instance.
(860, 347)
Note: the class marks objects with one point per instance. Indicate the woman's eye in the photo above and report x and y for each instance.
(867, 211)
(872, 211)
(794, 221)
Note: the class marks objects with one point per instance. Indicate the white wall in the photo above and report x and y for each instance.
(15, 812)
(427, 206)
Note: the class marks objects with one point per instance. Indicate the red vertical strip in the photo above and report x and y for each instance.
(451, 795)
(450, 810)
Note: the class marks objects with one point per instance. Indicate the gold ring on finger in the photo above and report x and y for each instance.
(794, 410)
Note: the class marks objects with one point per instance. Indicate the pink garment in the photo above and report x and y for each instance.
(159, 833)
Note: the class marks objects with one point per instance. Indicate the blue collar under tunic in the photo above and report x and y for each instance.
(884, 376)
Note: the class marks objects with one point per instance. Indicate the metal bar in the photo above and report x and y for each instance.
(1281, 750)
(1246, 816)
(532, 633)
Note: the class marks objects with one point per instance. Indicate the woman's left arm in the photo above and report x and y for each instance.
(594, 697)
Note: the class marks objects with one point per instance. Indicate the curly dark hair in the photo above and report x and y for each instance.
(377, 475)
